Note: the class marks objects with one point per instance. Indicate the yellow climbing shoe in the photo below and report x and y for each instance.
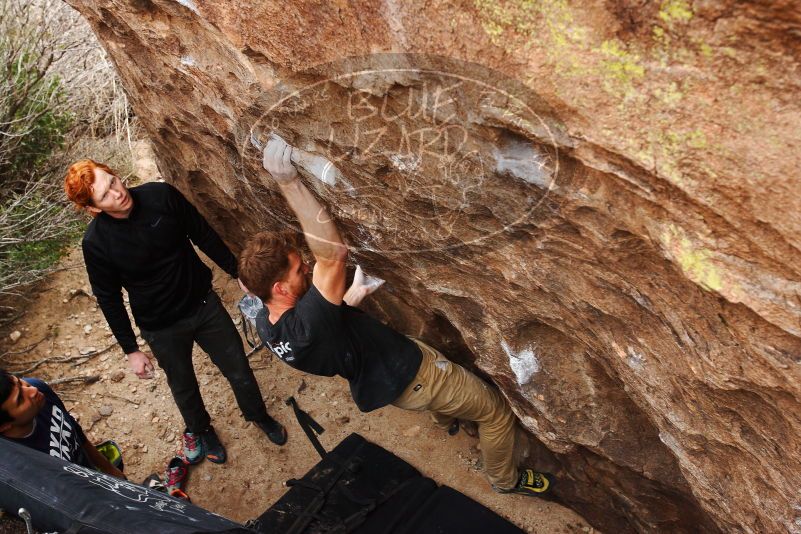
(531, 483)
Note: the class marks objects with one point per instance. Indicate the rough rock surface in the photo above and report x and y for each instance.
(595, 205)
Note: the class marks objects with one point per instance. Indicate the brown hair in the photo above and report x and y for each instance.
(79, 180)
(265, 260)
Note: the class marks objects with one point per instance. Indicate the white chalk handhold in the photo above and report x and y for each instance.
(524, 161)
(317, 166)
(524, 364)
(189, 4)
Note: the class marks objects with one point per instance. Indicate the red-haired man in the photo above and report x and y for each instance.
(141, 240)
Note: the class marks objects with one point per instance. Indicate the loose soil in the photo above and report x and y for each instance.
(146, 424)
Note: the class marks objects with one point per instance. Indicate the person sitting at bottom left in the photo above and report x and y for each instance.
(33, 415)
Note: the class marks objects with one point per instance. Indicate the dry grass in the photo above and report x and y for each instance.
(60, 100)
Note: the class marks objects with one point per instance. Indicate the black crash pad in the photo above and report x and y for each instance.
(362, 488)
(60, 495)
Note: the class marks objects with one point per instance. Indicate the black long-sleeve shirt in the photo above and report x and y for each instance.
(151, 256)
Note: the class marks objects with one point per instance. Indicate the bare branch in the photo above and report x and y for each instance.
(86, 379)
(120, 398)
(24, 350)
(81, 358)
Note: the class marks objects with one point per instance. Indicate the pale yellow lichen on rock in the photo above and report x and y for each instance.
(620, 68)
(696, 262)
(673, 11)
(670, 147)
(548, 24)
(552, 26)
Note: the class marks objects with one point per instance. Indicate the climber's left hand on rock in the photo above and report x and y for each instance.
(362, 286)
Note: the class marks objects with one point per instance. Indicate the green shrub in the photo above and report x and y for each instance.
(51, 88)
(39, 119)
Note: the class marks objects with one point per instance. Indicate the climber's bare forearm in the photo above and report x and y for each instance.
(321, 232)
(318, 226)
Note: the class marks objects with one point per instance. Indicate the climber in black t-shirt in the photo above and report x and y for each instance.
(315, 327)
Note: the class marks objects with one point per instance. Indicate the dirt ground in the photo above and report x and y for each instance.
(141, 417)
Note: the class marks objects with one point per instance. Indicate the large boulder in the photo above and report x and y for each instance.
(596, 206)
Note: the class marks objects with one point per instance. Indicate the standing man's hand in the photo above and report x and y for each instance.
(278, 161)
(141, 364)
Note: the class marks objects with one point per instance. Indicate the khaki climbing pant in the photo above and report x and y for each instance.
(449, 391)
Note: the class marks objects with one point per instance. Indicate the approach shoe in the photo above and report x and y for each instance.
(175, 477)
(215, 451)
(192, 452)
(531, 483)
(453, 429)
(275, 431)
(179, 494)
(470, 428)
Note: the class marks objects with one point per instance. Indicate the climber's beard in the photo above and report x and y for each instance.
(305, 284)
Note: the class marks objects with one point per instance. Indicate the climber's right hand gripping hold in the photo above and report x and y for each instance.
(277, 160)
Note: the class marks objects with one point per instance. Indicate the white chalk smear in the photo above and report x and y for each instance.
(189, 61)
(524, 363)
(671, 443)
(189, 4)
(406, 163)
(522, 160)
(317, 166)
(635, 359)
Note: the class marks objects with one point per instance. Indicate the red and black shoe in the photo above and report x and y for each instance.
(175, 478)
(215, 451)
(192, 449)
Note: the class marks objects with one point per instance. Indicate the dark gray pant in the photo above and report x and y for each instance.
(211, 327)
